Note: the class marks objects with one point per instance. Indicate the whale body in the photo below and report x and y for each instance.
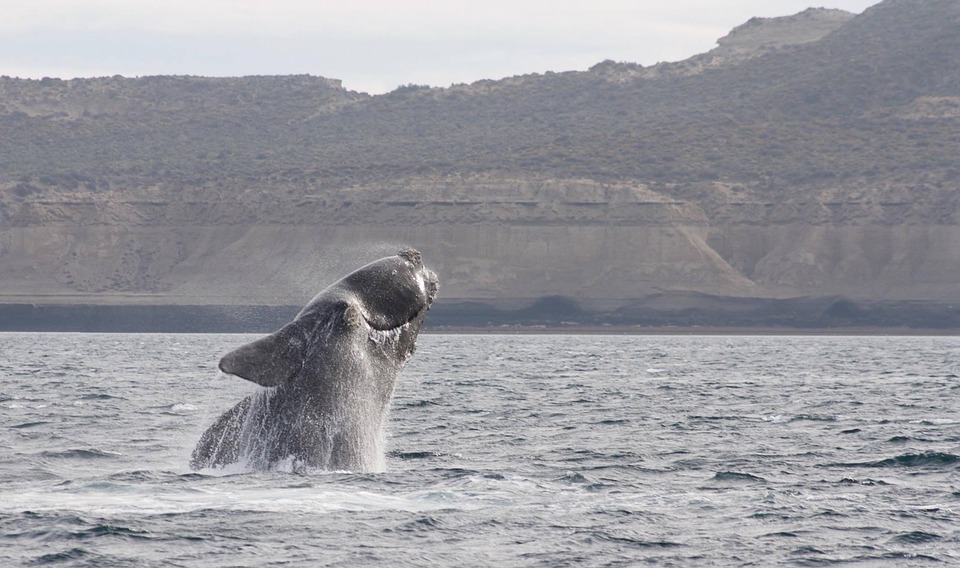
(328, 376)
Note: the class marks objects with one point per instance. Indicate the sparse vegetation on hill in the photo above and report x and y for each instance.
(826, 109)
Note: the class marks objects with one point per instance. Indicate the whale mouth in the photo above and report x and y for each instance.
(407, 323)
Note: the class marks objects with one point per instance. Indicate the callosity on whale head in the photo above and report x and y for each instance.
(332, 371)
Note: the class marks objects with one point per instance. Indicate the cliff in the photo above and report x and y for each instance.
(812, 156)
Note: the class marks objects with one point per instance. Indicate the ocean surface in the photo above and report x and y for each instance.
(503, 451)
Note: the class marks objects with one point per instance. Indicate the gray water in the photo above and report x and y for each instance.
(503, 451)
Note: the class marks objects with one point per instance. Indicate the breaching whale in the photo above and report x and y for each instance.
(328, 375)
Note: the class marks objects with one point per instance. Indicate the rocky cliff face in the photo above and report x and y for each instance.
(810, 156)
(496, 240)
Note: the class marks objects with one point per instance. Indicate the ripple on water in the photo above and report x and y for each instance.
(927, 460)
(79, 453)
(506, 451)
(737, 477)
(916, 537)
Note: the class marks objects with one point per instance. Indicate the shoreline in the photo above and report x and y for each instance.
(866, 331)
(473, 320)
(743, 331)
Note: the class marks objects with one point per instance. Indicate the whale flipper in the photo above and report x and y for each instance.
(270, 361)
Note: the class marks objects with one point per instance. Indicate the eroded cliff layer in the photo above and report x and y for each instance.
(504, 239)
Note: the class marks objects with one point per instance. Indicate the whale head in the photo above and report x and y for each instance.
(387, 294)
(379, 308)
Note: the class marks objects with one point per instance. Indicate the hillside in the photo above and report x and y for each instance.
(811, 156)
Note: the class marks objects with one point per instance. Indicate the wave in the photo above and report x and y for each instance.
(423, 524)
(611, 422)
(142, 476)
(30, 424)
(419, 404)
(921, 460)
(814, 418)
(113, 530)
(65, 556)
(101, 397)
(631, 541)
(781, 534)
(582, 481)
(907, 439)
(916, 537)
(175, 409)
(79, 453)
(866, 482)
(736, 477)
(415, 455)
(59, 534)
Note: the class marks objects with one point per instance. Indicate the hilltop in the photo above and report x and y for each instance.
(807, 157)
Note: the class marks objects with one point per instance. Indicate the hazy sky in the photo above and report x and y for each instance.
(372, 45)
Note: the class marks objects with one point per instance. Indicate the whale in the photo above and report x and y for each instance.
(327, 377)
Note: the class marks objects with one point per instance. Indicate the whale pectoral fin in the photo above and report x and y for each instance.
(269, 361)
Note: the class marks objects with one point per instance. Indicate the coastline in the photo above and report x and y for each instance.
(475, 321)
(852, 331)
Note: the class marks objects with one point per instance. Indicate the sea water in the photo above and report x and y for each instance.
(541, 450)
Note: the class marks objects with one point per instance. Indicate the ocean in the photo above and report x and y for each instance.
(503, 450)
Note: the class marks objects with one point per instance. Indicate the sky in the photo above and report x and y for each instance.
(373, 46)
